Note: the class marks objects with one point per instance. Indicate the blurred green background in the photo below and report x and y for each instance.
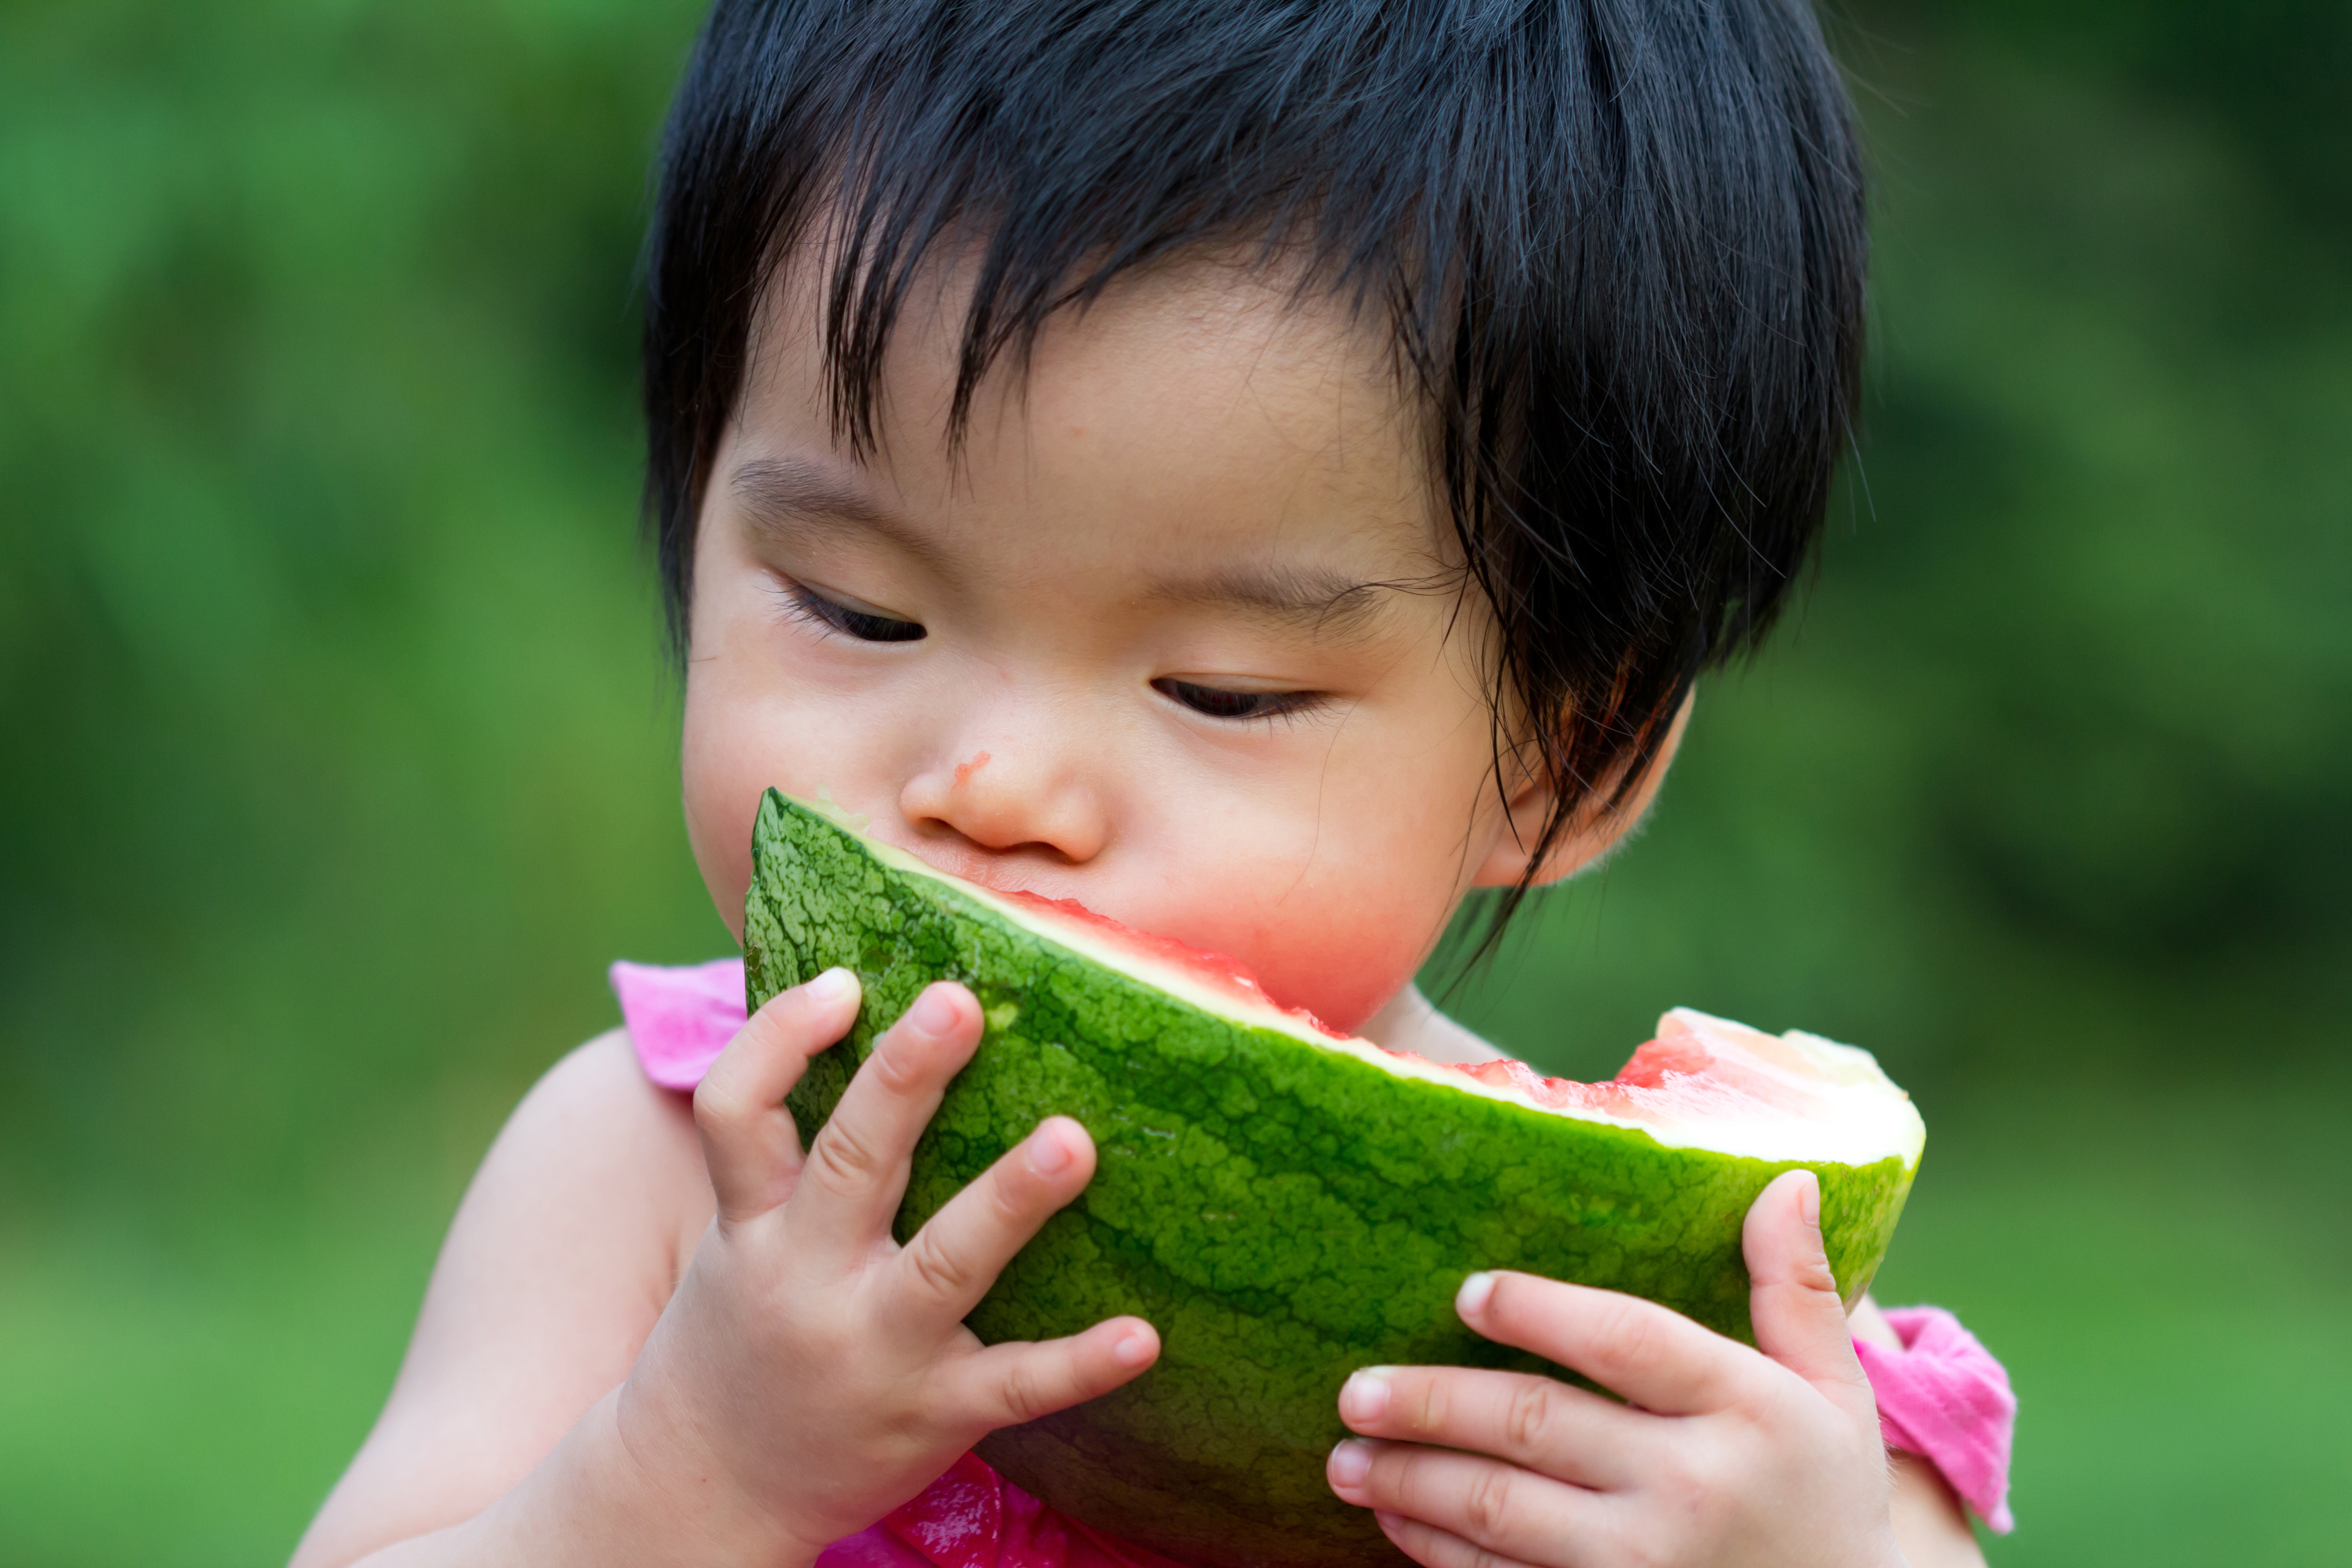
(339, 757)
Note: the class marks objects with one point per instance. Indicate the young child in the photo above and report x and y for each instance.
(1261, 469)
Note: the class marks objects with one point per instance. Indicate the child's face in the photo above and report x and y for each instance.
(1175, 636)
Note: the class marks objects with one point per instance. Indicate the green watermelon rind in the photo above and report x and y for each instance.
(1282, 1213)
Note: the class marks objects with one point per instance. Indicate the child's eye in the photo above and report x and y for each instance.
(1220, 703)
(866, 625)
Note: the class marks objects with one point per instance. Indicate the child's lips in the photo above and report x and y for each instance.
(999, 873)
(1032, 870)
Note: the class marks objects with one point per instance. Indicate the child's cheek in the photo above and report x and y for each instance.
(721, 802)
(739, 743)
(734, 753)
(752, 723)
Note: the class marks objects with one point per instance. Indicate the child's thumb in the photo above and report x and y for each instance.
(1792, 1296)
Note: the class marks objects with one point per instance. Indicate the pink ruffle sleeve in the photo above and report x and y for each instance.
(680, 1019)
(1944, 1397)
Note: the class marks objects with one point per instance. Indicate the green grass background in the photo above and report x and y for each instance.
(339, 757)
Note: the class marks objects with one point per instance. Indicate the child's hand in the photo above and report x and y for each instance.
(809, 1374)
(1725, 1455)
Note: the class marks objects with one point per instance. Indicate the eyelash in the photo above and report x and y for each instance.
(1235, 707)
(1210, 702)
(828, 616)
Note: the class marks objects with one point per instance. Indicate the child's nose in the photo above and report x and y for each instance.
(1003, 802)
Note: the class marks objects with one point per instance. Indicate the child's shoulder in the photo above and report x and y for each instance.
(597, 1147)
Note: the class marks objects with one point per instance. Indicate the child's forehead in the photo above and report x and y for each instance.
(1203, 389)
(1216, 327)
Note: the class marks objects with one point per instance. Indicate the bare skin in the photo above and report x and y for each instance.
(1186, 651)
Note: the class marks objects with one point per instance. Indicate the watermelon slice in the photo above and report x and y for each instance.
(1287, 1203)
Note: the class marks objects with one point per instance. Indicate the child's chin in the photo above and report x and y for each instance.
(1342, 989)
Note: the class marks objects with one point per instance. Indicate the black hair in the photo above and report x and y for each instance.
(1619, 245)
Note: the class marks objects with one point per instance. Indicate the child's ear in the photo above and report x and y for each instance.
(1594, 828)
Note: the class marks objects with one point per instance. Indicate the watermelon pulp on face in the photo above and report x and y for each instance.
(1285, 1204)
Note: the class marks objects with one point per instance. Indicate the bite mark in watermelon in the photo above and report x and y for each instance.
(1287, 1203)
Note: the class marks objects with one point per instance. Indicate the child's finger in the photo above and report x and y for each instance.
(1537, 1423)
(1500, 1508)
(1006, 1384)
(950, 1264)
(1426, 1543)
(1649, 1354)
(857, 1167)
(747, 1139)
(1793, 1296)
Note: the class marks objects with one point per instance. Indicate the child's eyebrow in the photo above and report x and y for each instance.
(1314, 599)
(787, 495)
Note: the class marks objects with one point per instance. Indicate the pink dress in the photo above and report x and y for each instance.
(1942, 1396)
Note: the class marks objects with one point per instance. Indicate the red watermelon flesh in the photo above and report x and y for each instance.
(1701, 1079)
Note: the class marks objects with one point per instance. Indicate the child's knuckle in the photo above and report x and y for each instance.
(897, 1065)
(1532, 1411)
(1627, 1332)
(1694, 1467)
(1026, 1396)
(1011, 1194)
(1813, 1274)
(937, 1267)
(1487, 1508)
(841, 1159)
(775, 1029)
(1431, 1405)
(1703, 1474)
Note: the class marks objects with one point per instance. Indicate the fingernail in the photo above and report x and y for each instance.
(1471, 1299)
(1389, 1523)
(836, 984)
(1132, 1351)
(1808, 1199)
(1364, 1396)
(1351, 1462)
(1049, 1154)
(933, 1014)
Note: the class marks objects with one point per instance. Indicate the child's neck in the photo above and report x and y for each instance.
(1408, 1023)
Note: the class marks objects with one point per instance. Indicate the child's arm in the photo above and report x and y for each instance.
(561, 1405)
(1724, 1454)
(558, 1264)
(1930, 1524)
